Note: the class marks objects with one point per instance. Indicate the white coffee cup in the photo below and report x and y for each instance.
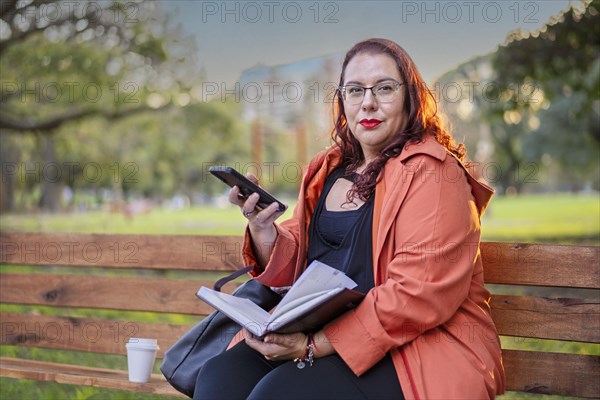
(141, 354)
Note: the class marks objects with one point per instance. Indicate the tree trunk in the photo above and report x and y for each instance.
(10, 169)
(51, 175)
(510, 181)
(506, 144)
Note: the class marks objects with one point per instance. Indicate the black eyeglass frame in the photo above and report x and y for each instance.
(342, 89)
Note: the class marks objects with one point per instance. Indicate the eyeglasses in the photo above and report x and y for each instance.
(384, 92)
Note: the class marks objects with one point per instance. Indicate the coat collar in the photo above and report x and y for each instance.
(330, 158)
(431, 147)
(428, 146)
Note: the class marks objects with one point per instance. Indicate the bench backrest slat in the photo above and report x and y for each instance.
(133, 294)
(552, 373)
(504, 263)
(520, 316)
(541, 264)
(95, 335)
(178, 252)
(543, 318)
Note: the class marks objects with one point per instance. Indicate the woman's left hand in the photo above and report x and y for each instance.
(278, 346)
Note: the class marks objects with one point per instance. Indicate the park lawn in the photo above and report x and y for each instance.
(201, 220)
(556, 218)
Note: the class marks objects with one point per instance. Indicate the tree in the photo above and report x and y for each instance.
(537, 98)
(560, 66)
(469, 96)
(562, 59)
(63, 62)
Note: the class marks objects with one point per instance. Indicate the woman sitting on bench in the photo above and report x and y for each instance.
(391, 205)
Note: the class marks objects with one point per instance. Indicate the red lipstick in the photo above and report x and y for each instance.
(369, 123)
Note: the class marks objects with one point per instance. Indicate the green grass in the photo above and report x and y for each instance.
(557, 218)
(196, 220)
(11, 389)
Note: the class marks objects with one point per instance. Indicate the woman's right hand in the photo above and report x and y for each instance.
(258, 220)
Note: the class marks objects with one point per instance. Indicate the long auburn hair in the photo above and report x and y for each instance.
(419, 106)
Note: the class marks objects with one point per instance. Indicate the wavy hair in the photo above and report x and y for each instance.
(420, 108)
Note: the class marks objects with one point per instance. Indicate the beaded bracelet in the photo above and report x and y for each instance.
(308, 356)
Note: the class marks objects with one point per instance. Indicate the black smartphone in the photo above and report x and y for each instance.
(233, 178)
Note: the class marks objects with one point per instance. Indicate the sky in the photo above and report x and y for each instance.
(232, 36)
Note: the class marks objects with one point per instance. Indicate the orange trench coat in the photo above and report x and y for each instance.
(429, 307)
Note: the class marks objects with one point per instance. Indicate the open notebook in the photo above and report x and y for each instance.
(321, 294)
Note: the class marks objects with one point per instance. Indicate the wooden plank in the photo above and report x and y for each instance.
(504, 263)
(543, 318)
(133, 294)
(532, 372)
(541, 264)
(83, 376)
(552, 373)
(103, 336)
(181, 252)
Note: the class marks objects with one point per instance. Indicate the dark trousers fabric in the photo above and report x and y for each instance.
(242, 373)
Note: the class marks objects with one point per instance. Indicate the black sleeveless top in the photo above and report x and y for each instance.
(343, 239)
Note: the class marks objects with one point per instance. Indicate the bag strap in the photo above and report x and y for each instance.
(219, 284)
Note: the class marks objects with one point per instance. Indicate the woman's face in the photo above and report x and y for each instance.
(374, 123)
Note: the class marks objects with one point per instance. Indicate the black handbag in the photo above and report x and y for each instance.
(184, 360)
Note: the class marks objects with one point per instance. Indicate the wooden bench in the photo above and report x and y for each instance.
(154, 273)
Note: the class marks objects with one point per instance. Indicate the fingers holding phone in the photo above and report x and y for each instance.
(235, 195)
(257, 216)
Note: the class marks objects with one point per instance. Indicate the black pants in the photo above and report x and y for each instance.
(242, 373)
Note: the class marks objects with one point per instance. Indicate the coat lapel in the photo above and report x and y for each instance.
(391, 191)
(387, 204)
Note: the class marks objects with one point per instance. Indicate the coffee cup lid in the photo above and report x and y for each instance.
(143, 341)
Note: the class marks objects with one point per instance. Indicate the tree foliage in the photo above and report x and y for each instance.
(560, 60)
(63, 63)
(536, 101)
